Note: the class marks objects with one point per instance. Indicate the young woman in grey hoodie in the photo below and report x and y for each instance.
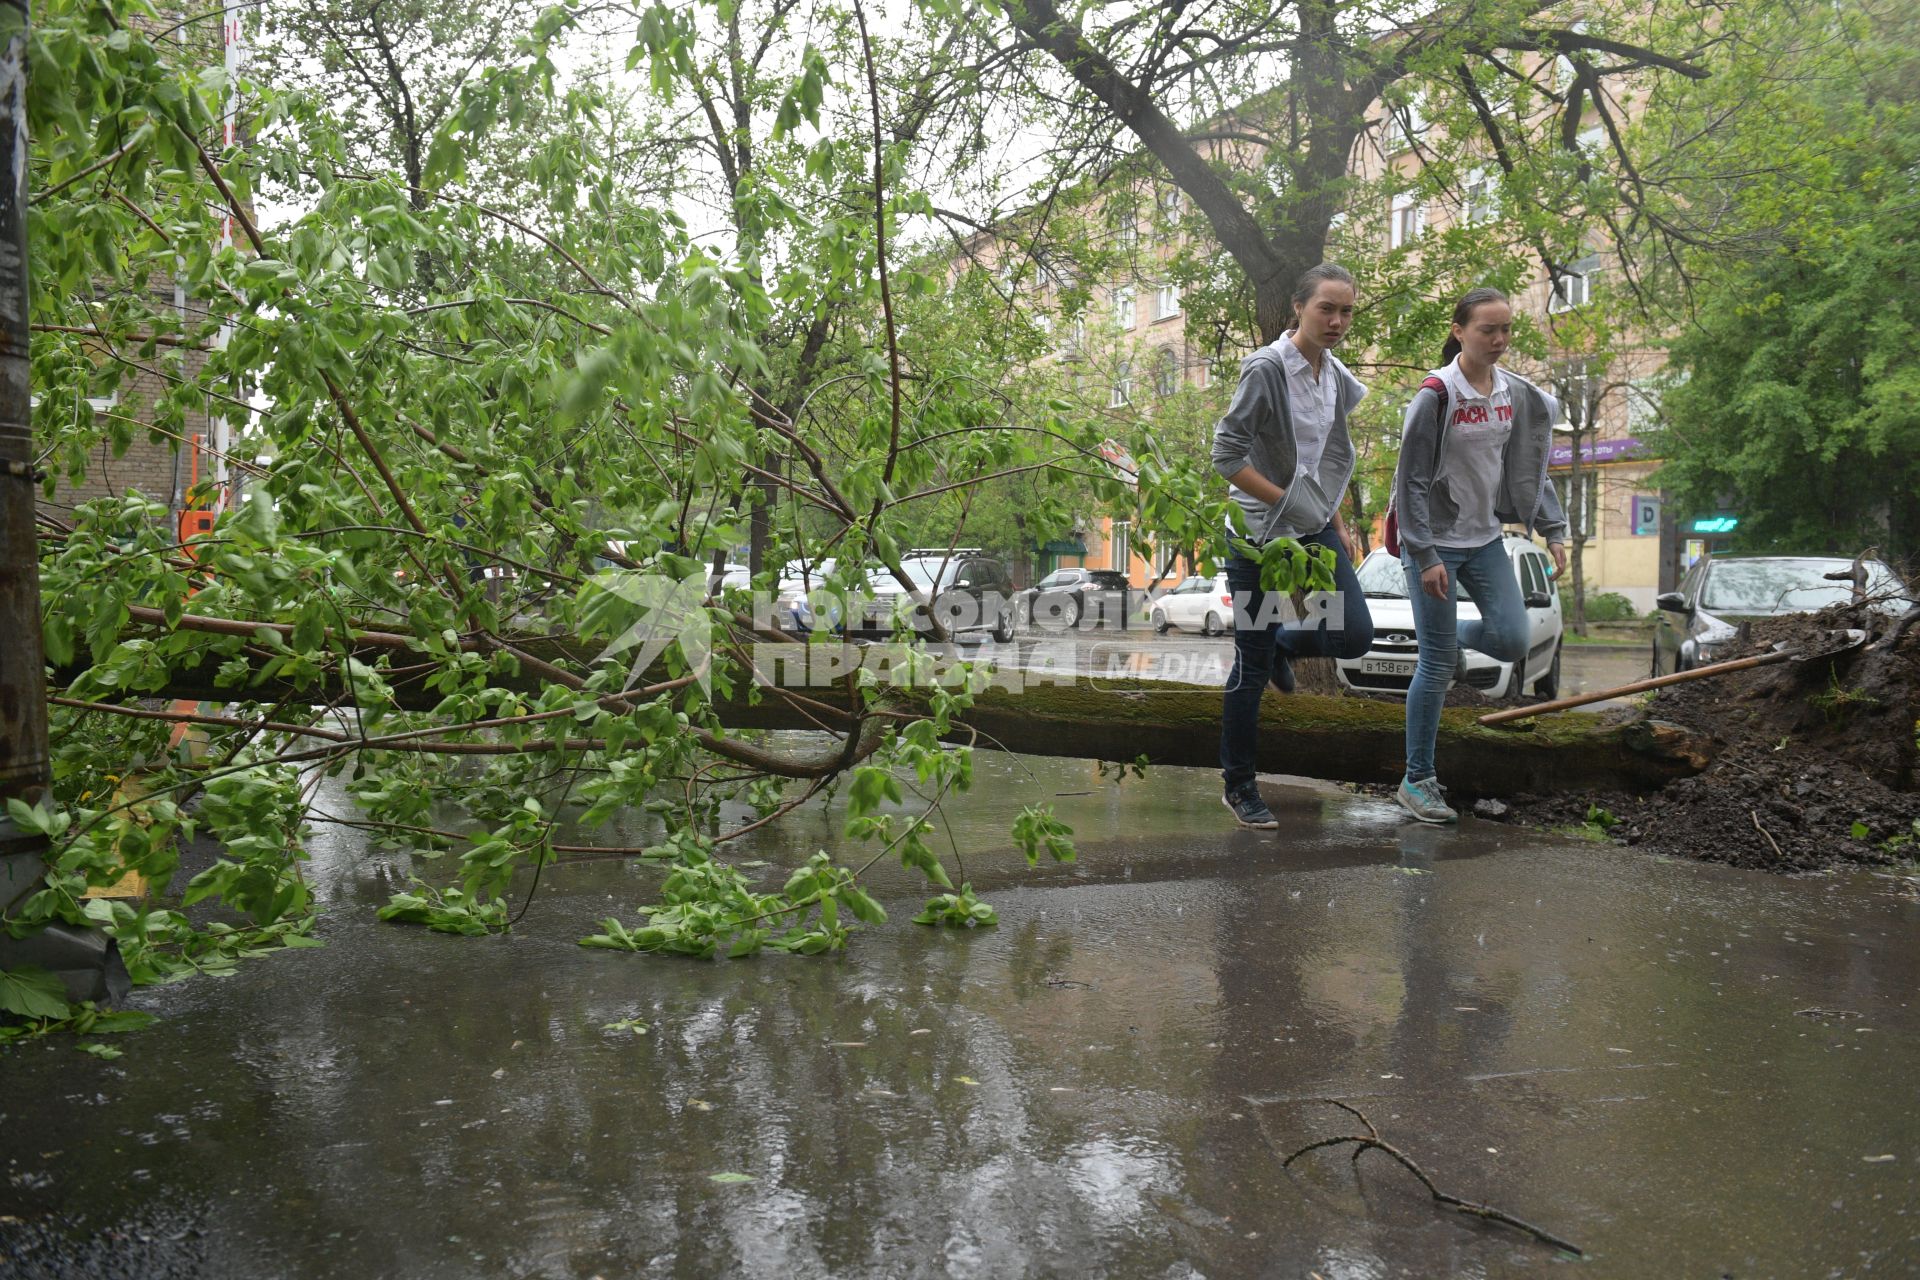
(1283, 448)
(1471, 460)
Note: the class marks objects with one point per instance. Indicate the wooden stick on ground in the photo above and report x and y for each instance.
(1852, 639)
(1638, 686)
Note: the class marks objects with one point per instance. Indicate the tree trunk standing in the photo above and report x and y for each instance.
(412, 150)
(1577, 535)
(1579, 398)
(25, 766)
(1585, 431)
(760, 519)
(83, 960)
(1362, 523)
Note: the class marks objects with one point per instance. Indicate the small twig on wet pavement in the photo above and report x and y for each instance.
(1372, 1141)
(1768, 834)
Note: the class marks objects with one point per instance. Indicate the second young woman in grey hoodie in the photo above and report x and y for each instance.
(1471, 460)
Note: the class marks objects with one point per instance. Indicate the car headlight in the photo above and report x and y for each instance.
(1715, 645)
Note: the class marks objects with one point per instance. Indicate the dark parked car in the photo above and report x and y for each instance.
(1060, 600)
(1700, 622)
(972, 593)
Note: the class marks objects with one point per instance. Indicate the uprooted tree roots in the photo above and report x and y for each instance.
(1815, 764)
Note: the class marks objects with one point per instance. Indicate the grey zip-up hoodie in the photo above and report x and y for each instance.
(1257, 432)
(1524, 497)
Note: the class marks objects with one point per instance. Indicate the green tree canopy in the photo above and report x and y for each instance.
(1796, 395)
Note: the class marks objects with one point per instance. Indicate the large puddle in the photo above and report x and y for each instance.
(1685, 1069)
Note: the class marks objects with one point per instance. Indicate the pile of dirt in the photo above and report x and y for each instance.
(1815, 762)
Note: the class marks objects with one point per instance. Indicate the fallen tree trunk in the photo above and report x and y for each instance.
(1339, 739)
(1053, 713)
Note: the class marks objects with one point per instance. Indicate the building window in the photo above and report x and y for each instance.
(1125, 308)
(1563, 69)
(1171, 207)
(1407, 219)
(1479, 198)
(99, 404)
(1122, 385)
(1166, 372)
(1643, 407)
(1581, 521)
(1570, 292)
(1573, 384)
(1562, 74)
(1405, 124)
(1073, 339)
(1574, 288)
(1118, 546)
(1166, 302)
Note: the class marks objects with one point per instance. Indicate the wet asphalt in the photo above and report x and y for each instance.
(1686, 1070)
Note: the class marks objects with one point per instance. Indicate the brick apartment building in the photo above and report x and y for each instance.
(163, 464)
(161, 467)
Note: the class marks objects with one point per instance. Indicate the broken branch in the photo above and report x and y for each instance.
(1372, 1141)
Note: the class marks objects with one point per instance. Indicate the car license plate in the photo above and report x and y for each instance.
(1387, 666)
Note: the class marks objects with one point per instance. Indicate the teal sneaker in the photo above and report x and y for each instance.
(1423, 799)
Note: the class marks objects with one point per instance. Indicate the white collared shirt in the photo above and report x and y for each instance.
(1468, 480)
(1310, 401)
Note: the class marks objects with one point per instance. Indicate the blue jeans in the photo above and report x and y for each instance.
(1500, 633)
(1338, 625)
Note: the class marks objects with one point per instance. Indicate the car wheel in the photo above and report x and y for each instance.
(1212, 626)
(1003, 627)
(1071, 614)
(1548, 685)
(1160, 623)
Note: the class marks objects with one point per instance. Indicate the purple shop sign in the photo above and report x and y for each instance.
(1596, 451)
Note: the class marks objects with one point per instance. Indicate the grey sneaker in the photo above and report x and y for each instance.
(1248, 809)
(1424, 800)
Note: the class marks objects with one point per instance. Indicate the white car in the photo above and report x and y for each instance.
(732, 574)
(1203, 604)
(1388, 667)
(803, 586)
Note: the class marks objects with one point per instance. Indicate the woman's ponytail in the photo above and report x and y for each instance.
(1449, 350)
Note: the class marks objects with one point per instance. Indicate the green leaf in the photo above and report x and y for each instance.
(730, 1179)
(32, 992)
